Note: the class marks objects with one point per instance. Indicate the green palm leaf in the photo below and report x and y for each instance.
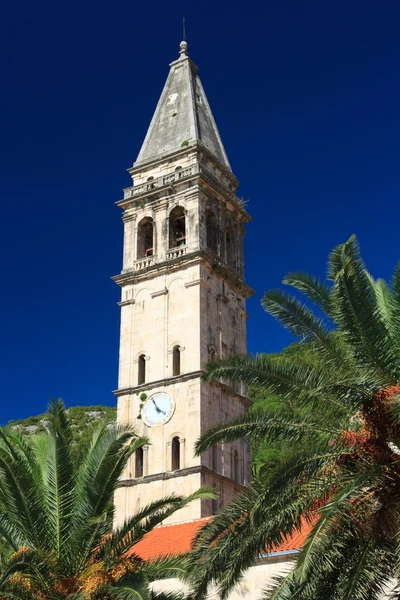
(261, 425)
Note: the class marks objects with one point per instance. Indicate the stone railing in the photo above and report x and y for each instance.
(160, 182)
(176, 252)
(142, 263)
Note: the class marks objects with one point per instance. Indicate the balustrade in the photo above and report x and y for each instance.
(160, 182)
(142, 263)
(176, 252)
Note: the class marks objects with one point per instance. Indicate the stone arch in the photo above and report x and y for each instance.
(142, 294)
(150, 183)
(177, 227)
(145, 238)
(141, 370)
(176, 451)
(175, 353)
(176, 282)
(176, 361)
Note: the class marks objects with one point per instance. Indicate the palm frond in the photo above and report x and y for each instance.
(261, 425)
(286, 379)
(302, 322)
(128, 592)
(167, 566)
(58, 475)
(356, 313)
(312, 287)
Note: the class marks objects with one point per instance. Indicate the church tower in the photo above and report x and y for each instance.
(183, 303)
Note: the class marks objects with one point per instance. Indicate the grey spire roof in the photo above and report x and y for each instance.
(182, 115)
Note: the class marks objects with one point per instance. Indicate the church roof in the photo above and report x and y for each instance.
(177, 538)
(183, 115)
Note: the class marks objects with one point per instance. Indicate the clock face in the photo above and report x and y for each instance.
(158, 409)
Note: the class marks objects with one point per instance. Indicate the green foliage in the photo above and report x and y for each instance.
(56, 516)
(83, 420)
(328, 415)
(268, 456)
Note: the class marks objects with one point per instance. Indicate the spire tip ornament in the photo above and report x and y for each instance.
(183, 48)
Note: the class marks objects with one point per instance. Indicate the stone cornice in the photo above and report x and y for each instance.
(167, 381)
(159, 293)
(181, 473)
(201, 282)
(194, 147)
(126, 302)
(129, 215)
(243, 399)
(214, 263)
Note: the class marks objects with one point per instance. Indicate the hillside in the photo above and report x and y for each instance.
(84, 420)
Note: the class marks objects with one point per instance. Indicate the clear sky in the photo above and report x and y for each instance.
(306, 96)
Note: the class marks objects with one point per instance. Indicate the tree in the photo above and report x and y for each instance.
(56, 517)
(267, 456)
(347, 483)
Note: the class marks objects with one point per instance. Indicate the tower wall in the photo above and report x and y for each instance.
(182, 304)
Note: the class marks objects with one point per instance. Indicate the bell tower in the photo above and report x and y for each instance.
(183, 303)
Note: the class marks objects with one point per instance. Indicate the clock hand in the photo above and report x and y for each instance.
(157, 409)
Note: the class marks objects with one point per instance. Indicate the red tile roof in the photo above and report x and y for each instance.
(177, 538)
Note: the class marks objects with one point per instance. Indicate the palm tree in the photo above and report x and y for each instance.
(56, 517)
(346, 484)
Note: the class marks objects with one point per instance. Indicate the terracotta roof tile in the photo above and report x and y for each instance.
(177, 538)
(296, 540)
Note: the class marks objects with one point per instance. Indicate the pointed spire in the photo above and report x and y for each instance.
(183, 115)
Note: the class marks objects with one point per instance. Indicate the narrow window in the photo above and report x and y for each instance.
(176, 454)
(139, 463)
(177, 227)
(214, 506)
(235, 466)
(176, 361)
(145, 234)
(230, 248)
(215, 459)
(212, 240)
(212, 355)
(151, 185)
(142, 369)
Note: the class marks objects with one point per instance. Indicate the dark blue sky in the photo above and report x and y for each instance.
(306, 96)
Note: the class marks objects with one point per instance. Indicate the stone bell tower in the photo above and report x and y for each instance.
(183, 303)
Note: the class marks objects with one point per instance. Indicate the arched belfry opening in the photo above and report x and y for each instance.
(141, 369)
(175, 454)
(145, 238)
(212, 232)
(177, 227)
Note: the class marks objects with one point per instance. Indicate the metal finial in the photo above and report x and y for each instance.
(183, 45)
